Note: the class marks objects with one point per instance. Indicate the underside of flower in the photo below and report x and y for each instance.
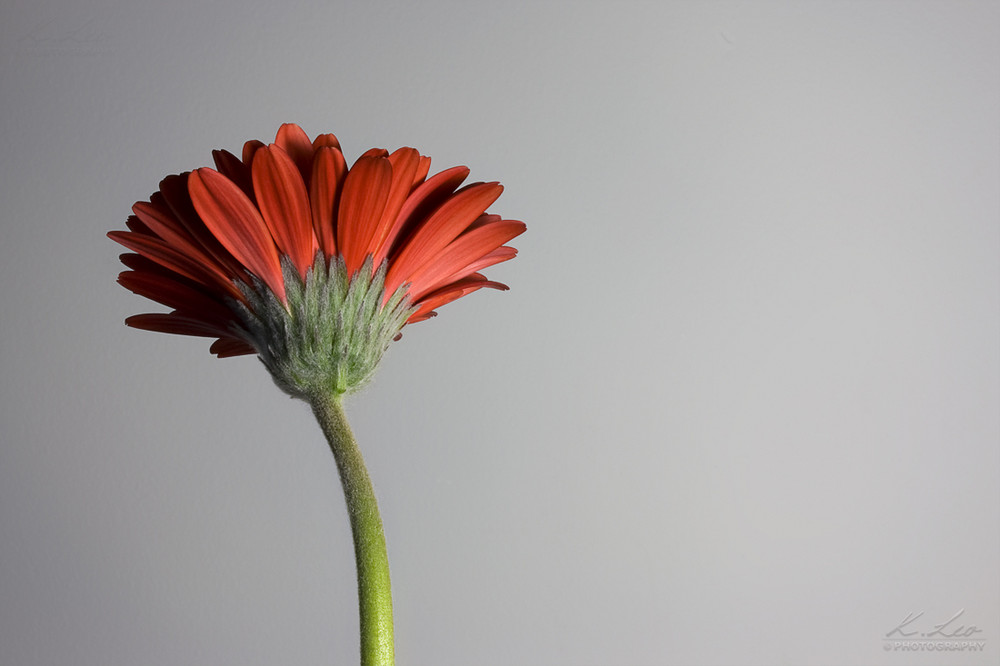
(329, 336)
(288, 253)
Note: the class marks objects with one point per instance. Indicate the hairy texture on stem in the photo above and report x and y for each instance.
(374, 591)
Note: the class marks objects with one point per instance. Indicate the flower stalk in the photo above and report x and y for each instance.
(287, 253)
(374, 593)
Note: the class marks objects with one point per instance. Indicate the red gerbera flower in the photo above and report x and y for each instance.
(289, 254)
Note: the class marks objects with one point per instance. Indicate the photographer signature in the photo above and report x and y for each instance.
(944, 630)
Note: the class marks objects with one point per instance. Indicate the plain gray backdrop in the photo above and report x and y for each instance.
(740, 405)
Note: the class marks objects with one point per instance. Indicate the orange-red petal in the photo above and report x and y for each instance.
(462, 256)
(447, 222)
(362, 201)
(421, 202)
(452, 292)
(328, 172)
(234, 220)
(326, 141)
(422, 169)
(405, 163)
(204, 232)
(284, 204)
(497, 256)
(294, 141)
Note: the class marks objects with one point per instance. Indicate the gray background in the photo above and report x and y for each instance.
(740, 405)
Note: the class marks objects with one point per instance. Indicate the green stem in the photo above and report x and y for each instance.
(374, 595)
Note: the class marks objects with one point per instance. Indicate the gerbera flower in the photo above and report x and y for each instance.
(314, 266)
(288, 254)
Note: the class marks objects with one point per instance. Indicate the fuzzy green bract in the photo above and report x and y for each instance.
(331, 335)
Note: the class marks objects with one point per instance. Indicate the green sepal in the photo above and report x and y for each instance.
(331, 334)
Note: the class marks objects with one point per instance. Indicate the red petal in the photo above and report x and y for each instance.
(497, 256)
(296, 143)
(207, 275)
(416, 317)
(362, 201)
(405, 163)
(451, 219)
(231, 217)
(160, 223)
(284, 203)
(175, 323)
(328, 171)
(482, 221)
(462, 256)
(175, 198)
(452, 292)
(249, 148)
(141, 264)
(326, 141)
(420, 203)
(135, 224)
(178, 296)
(228, 347)
(137, 261)
(422, 169)
(235, 170)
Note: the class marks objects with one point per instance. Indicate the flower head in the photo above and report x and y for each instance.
(288, 253)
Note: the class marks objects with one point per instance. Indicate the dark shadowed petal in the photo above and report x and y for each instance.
(166, 227)
(207, 275)
(249, 148)
(134, 224)
(177, 295)
(174, 198)
(229, 347)
(235, 170)
(176, 323)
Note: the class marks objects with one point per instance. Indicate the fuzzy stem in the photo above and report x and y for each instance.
(374, 595)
